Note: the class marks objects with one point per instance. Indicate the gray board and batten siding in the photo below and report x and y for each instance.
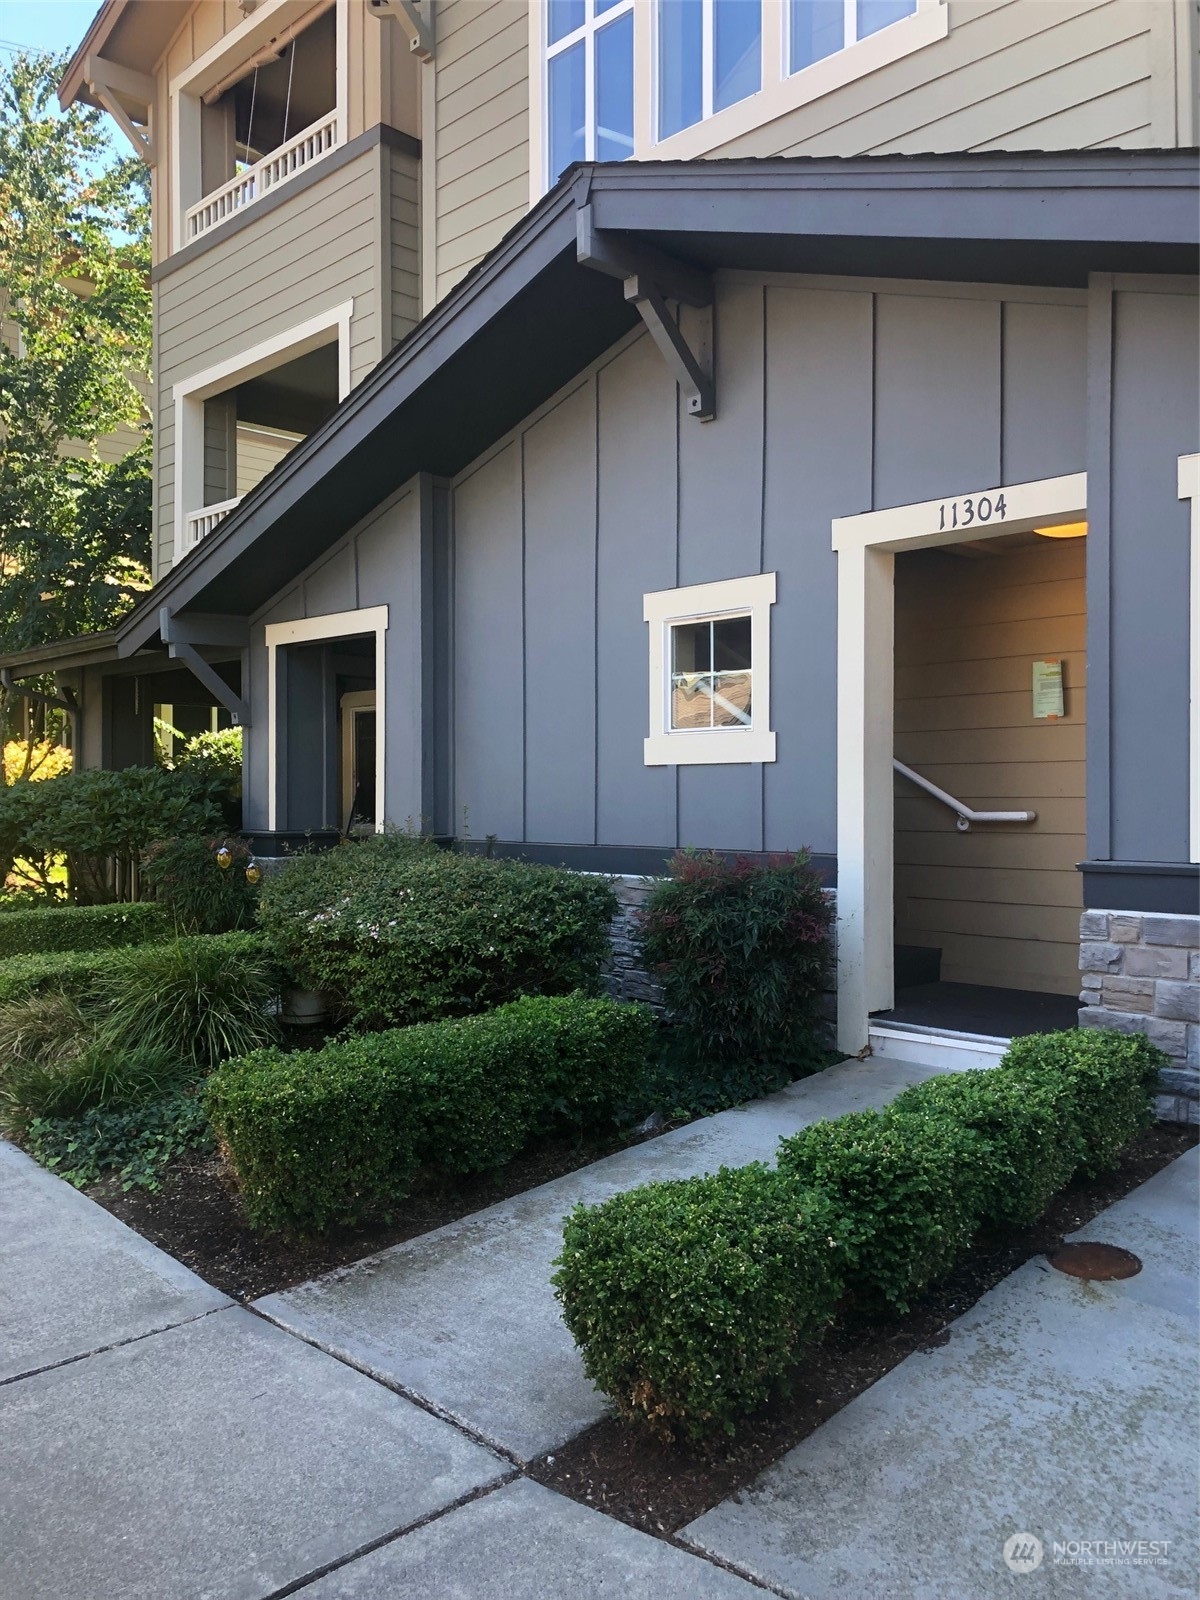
(834, 397)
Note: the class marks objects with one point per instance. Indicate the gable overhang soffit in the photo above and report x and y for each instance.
(574, 275)
(129, 36)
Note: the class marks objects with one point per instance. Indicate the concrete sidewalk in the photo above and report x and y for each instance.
(1062, 1409)
(465, 1318)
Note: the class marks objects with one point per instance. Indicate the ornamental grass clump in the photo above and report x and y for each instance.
(742, 950)
(396, 931)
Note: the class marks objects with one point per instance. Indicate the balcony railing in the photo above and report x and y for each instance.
(316, 141)
(199, 524)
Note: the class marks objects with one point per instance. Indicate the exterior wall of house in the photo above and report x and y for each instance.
(320, 248)
(1009, 75)
(475, 132)
(1003, 901)
(833, 397)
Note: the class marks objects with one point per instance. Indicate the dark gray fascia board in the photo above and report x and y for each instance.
(1171, 887)
(61, 655)
(1108, 199)
(381, 133)
(1145, 199)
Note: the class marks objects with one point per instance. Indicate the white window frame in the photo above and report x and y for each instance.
(1189, 489)
(308, 630)
(781, 91)
(592, 24)
(704, 602)
(189, 395)
(707, 67)
(186, 89)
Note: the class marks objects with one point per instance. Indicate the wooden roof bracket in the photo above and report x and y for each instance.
(418, 14)
(182, 635)
(651, 278)
(107, 80)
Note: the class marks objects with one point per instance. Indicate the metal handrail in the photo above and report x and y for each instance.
(965, 814)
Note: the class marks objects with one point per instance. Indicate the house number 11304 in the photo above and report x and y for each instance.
(971, 508)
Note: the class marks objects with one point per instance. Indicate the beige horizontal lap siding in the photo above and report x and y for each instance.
(404, 256)
(1001, 902)
(480, 182)
(1010, 74)
(317, 251)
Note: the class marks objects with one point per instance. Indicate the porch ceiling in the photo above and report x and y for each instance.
(529, 317)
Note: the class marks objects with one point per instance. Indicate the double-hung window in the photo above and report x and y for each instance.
(710, 672)
(589, 82)
(709, 58)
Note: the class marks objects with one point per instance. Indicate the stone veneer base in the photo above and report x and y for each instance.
(1140, 973)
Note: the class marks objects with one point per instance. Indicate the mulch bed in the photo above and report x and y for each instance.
(196, 1217)
(624, 1471)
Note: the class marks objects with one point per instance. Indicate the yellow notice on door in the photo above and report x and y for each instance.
(1047, 689)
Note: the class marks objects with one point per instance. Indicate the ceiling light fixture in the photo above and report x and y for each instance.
(1063, 530)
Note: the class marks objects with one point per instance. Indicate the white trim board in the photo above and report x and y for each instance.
(306, 630)
(665, 747)
(189, 395)
(866, 547)
(1189, 489)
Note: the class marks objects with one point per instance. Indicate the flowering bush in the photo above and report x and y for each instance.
(742, 950)
(399, 931)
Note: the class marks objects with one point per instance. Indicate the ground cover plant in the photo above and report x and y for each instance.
(396, 931)
(337, 1135)
(901, 1194)
(742, 950)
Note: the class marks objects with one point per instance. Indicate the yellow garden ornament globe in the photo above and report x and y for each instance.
(224, 858)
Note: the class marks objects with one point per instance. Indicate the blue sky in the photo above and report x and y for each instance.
(44, 24)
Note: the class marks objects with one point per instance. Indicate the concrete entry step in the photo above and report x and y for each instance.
(940, 1049)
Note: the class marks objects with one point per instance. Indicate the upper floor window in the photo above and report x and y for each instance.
(589, 81)
(678, 79)
(709, 57)
(818, 28)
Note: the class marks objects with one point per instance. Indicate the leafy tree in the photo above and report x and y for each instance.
(75, 295)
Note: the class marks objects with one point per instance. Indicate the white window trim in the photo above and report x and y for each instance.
(866, 546)
(1189, 489)
(307, 630)
(186, 88)
(668, 747)
(781, 91)
(585, 34)
(190, 394)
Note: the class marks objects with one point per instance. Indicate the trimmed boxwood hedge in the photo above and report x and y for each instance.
(30, 932)
(338, 1134)
(689, 1299)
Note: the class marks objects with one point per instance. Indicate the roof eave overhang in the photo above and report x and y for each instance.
(73, 85)
(979, 217)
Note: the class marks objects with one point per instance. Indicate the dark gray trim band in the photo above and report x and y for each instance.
(634, 860)
(381, 133)
(1168, 886)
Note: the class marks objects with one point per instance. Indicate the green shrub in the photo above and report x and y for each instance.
(688, 1299)
(400, 932)
(906, 1191)
(200, 1000)
(196, 894)
(96, 818)
(742, 950)
(214, 760)
(338, 1134)
(29, 932)
(674, 1291)
(1111, 1080)
(135, 1142)
(101, 1074)
(69, 972)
